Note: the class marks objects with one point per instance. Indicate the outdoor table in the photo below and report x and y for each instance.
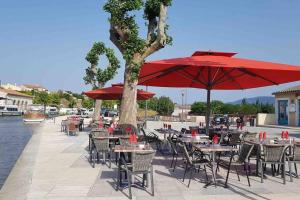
(213, 149)
(196, 139)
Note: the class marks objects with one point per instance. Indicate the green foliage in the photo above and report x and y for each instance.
(97, 76)
(244, 108)
(72, 103)
(110, 103)
(163, 105)
(41, 98)
(54, 99)
(88, 103)
(122, 16)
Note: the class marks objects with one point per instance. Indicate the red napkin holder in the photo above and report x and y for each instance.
(134, 138)
(215, 139)
(286, 135)
(264, 135)
(260, 135)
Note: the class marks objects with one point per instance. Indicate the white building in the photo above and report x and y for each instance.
(11, 97)
(30, 87)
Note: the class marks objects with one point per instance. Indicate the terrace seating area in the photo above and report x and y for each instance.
(205, 160)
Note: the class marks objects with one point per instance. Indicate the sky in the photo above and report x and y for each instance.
(45, 42)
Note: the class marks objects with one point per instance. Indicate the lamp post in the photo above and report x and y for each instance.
(182, 98)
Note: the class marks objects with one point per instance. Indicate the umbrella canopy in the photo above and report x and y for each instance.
(115, 92)
(216, 71)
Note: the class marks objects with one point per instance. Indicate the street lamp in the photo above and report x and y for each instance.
(182, 98)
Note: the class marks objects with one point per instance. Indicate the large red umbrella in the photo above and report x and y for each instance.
(216, 71)
(115, 92)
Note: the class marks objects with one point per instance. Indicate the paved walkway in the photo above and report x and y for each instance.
(54, 166)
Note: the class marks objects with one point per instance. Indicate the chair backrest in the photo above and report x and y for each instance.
(273, 153)
(173, 146)
(234, 139)
(185, 152)
(142, 161)
(99, 133)
(101, 144)
(71, 127)
(245, 152)
(296, 152)
(124, 140)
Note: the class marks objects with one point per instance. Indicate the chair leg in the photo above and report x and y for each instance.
(262, 172)
(118, 177)
(283, 172)
(237, 173)
(191, 174)
(129, 184)
(295, 165)
(172, 161)
(205, 173)
(175, 163)
(290, 171)
(227, 176)
(247, 174)
(186, 166)
(152, 181)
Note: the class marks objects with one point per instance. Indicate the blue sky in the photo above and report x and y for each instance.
(45, 42)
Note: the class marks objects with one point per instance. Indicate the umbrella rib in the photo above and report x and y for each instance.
(226, 73)
(256, 75)
(162, 73)
(192, 78)
(198, 75)
(215, 74)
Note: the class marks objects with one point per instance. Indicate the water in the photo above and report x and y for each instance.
(14, 135)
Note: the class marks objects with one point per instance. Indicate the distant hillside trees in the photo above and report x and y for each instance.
(218, 107)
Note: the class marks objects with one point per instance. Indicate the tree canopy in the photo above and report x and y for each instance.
(162, 105)
(96, 75)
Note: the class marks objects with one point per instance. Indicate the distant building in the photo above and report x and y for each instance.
(30, 87)
(287, 106)
(12, 97)
(9, 86)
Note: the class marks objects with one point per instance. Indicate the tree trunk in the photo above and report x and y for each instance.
(98, 103)
(128, 109)
(97, 110)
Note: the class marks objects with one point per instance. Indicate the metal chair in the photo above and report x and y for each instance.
(192, 164)
(273, 154)
(242, 160)
(63, 125)
(152, 138)
(294, 158)
(141, 163)
(174, 152)
(101, 146)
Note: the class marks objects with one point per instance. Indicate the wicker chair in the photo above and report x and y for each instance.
(242, 160)
(124, 127)
(101, 146)
(273, 154)
(294, 158)
(192, 164)
(141, 163)
(71, 128)
(247, 136)
(234, 139)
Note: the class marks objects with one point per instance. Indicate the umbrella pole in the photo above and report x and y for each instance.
(207, 112)
(146, 109)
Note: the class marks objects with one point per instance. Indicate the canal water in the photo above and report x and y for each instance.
(14, 135)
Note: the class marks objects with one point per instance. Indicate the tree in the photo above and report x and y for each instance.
(198, 108)
(165, 106)
(98, 77)
(124, 33)
(87, 103)
(42, 98)
(72, 103)
(54, 99)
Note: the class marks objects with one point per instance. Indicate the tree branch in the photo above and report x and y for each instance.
(161, 39)
(151, 28)
(117, 35)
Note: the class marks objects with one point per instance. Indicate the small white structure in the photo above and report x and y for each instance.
(30, 87)
(11, 97)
